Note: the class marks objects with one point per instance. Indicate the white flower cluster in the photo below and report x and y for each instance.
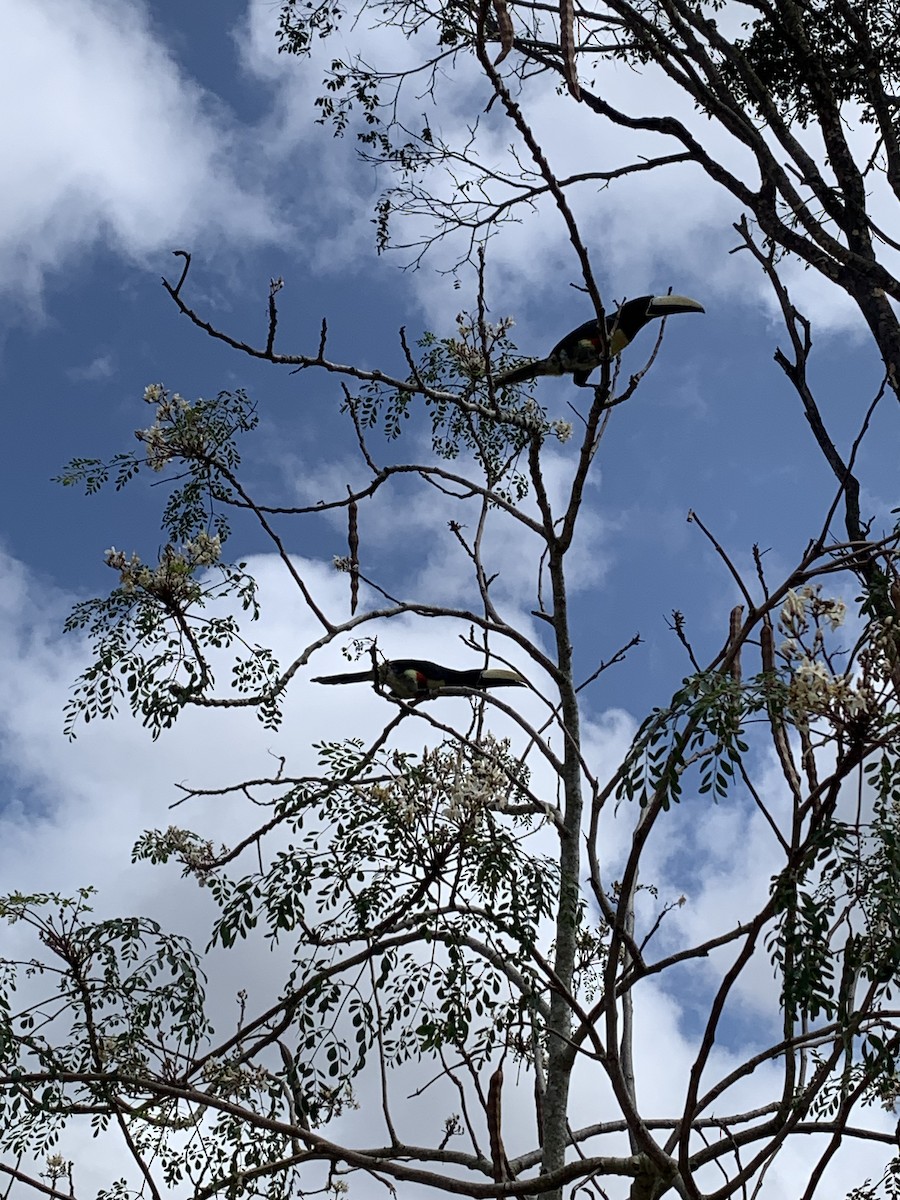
(469, 359)
(133, 575)
(156, 444)
(235, 1078)
(171, 577)
(531, 415)
(198, 856)
(401, 796)
(459, 784)
(477, 782)
(889, 1091)
(562, 429)
(468, 328)
(204, 550)
(815, 688)
(468, 349)
(809, 604)
(57, 1167)
(157, 438)
(168, 406)
(154, 393)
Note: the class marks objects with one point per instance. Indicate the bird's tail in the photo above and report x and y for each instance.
(352, 677)
(497, 678)
(528, 370)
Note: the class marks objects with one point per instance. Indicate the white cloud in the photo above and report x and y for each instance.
(110, 142)
(102, 367)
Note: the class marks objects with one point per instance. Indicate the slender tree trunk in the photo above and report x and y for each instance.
(559, 1054)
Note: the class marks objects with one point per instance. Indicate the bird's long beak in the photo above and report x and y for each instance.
(664, 306)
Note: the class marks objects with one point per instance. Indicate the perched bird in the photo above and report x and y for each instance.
(581, 350)
(413, 678)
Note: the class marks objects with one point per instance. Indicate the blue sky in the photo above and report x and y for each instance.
(140, 129)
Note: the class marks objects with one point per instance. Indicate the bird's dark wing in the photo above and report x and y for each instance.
(567, 346)
(421, 666)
